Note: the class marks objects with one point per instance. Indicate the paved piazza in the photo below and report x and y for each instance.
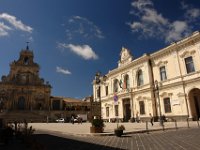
(183, 138)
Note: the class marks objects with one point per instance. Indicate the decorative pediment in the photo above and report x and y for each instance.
(143, 98)
(165, 94)
(125, 57)
(108, 105)
(187, 53)
(162, 63)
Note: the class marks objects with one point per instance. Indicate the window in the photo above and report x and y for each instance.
(189, 64)
(167, 105)
(116, 110)
(115, 85)
(126, 82)
(163, 75)
(140, 78)
(56, 104)
(107, 111)
(99, 92)
(142, 107)
(106, 90)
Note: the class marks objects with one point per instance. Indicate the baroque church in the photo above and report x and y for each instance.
(163, 83)
(25, 95)
(22, 88)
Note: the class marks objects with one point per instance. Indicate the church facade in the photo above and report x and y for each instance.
(166, 82)
(22, 88)
(25, 95)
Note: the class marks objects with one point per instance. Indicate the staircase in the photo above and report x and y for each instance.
(20, 116)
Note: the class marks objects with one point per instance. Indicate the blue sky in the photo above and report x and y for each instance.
(73, 39)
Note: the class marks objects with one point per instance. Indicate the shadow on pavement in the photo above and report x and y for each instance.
(50, 142)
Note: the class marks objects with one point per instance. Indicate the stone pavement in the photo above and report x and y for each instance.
(63, 136)
(84, 128)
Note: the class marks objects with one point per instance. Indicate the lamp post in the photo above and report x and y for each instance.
(157, 92)
(97, 82)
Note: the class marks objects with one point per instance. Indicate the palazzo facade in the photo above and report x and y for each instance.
(166, 82)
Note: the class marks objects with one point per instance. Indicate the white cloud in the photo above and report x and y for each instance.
(85, 51)
(191, 13)
(16, 23)
(78, 26)
(194, 12)
(140, 4)
(152, 16)
(150, 23)
(4, 29)
(9, 22)
(63, 71)
(177, 31)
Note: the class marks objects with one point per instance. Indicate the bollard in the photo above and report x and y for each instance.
(175, 124)
(188, 123)
(163, 127)
(147, 127)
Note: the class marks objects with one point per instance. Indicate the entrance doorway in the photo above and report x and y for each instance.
(126, 109)
(21, 103)
(194, 98)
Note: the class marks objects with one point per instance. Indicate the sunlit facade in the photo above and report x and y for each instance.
(128, 91)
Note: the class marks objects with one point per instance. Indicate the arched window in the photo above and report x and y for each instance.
(126, 82)
(115, 86)
(140, 78)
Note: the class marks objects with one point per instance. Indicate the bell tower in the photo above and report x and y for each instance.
(22, 88)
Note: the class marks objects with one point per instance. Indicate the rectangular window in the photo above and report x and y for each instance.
(116, 110)
(56, 104)
(167, 105)
(163, 75)
(107, 111)
(142, 107)
(189, 64)
(106, 90)
(99, 92)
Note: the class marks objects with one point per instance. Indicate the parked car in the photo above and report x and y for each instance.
(62, 120)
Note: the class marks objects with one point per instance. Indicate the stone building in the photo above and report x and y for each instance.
(166, 82)
(25, 95)
(66, 107)
(22, 89)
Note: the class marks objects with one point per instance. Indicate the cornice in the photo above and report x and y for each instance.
(176, 46)
(135, 62)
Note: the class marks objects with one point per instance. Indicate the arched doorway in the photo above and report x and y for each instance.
(194, 98)
(21, 103)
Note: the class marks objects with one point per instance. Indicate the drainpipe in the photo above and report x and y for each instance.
(183, 83)
(152, 87)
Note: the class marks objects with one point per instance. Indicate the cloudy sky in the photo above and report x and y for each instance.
(73, 39)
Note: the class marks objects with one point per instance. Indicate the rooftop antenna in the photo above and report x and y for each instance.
(27, 47)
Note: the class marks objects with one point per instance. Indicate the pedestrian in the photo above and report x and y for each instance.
(137, 117)
(72, 120)
(151, 119)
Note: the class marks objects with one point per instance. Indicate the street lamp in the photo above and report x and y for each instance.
(157, 91)
(97, 82)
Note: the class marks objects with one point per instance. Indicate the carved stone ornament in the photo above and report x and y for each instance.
(187, 53)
